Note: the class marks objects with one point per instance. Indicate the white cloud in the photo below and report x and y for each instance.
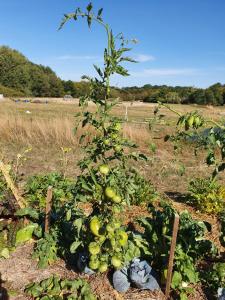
(139, 57)
(78, 57)
(144, 57)
(164, 72)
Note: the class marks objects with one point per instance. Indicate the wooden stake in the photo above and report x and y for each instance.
(48, 208)
(20, 200)
(171, 258)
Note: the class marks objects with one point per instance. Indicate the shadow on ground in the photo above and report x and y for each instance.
(178, 197)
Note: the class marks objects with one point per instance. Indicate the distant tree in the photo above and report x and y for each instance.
(217, 91)
(70, 88)
(173, 97)
(198, 97)
(19, 76)
(18, 73)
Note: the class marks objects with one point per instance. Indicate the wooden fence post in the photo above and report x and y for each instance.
(171, 257)
(48, 209)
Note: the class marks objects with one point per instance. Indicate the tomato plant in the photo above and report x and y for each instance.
(192, 246)
(106, 179)
(189, 127)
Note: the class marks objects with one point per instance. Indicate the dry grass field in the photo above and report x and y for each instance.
(47, 127)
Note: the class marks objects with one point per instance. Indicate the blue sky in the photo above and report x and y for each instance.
(181, 42)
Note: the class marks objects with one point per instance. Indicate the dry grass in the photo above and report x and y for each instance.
(29, 131)
(53, 123)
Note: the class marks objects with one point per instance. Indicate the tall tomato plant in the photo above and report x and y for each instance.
(105, 180)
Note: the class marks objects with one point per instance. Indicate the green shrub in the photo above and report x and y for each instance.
(56, 288)
(222, 234)
(214, 278)
(143, 191)
(37, 186)
(207, 195)
(192, 246)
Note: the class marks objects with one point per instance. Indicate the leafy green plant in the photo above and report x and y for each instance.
(214, 278)
(192, 246)
(206, 195)
(128, 182)
(56, 288)
(37, 186)
(189, 128)
(106, 179)
(8, 233)
(46, 250)
(143, 191)
(222, 234)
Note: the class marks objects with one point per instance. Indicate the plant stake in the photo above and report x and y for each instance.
(171, 258)
(48, 208)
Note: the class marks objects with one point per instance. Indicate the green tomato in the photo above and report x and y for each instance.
(123, 238)
(95, 226)
(109, 192)
(191, 120)
(93, 257)
(104, 169)
(94, 264)
(94, 248)
(117, 127)
(118, 148)
(106, 142)
(116, 199)
(103, 267)
(116, 262)
(114, 136)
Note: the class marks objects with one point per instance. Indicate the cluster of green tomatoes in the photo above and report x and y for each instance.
(191, 120)
(110, 194)
(112, 138)
(108, 245)
(109, 237)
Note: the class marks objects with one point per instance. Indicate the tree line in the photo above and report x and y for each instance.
(20, 77)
